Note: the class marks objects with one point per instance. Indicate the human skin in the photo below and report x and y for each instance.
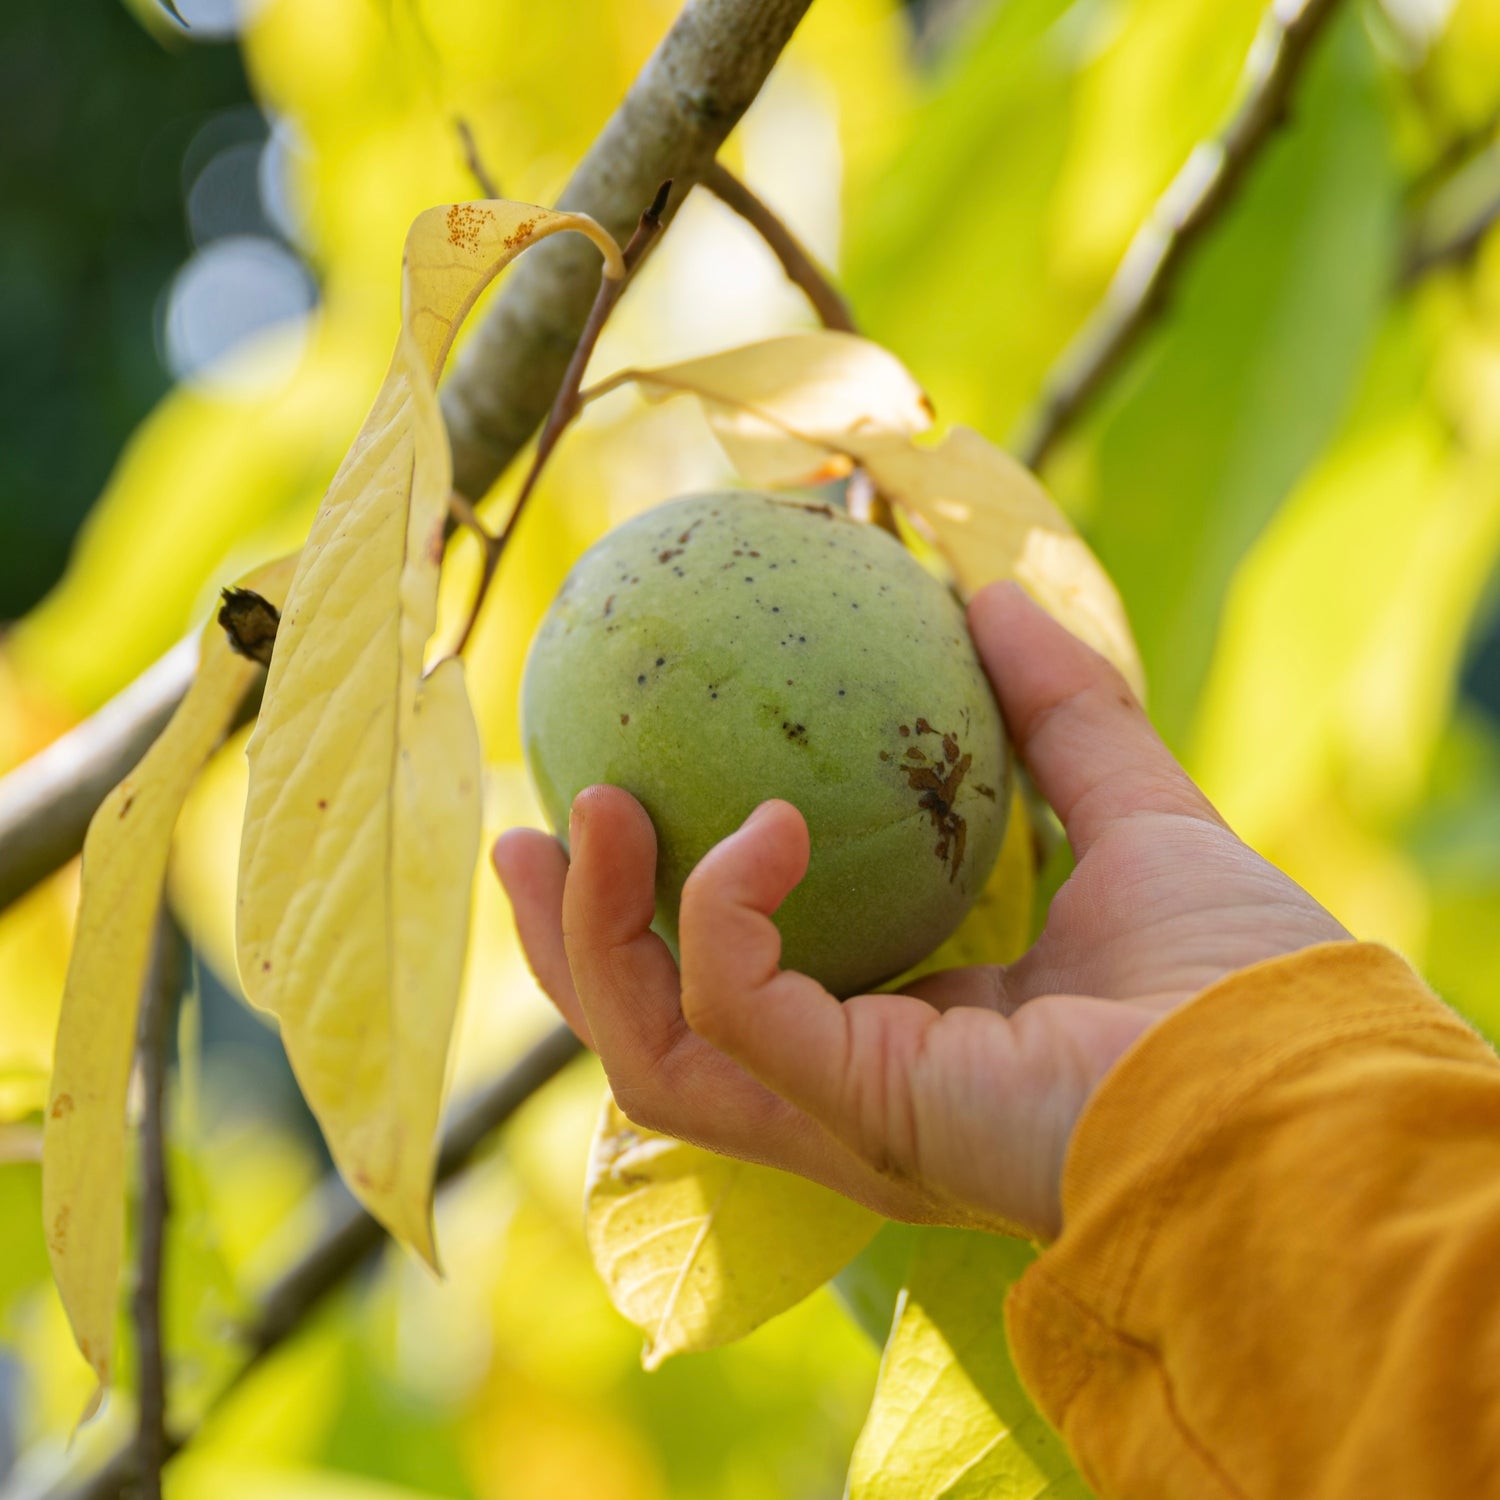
(954, 1102)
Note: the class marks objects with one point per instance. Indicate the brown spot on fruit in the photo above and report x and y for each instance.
(62, 1105)
(609, 606)
(668, 554)
(950, 748)
(127, 804)
(984, 791)
(936, 794)
(624, 718)
(923, 727)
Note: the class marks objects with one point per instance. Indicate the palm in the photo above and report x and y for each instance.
(953, 1103)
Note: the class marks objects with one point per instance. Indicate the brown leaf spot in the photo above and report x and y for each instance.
(522, 231)
(62, 1105)
(465, 224)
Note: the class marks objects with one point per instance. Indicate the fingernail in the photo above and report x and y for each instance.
(575, 823)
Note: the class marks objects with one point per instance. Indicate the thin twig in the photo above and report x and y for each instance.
(348, 1239)
(566, 404)
(801, 269)
(473, 160)
(158, 1008)
(1207, 185)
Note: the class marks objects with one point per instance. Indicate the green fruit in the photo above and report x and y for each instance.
(728, 648)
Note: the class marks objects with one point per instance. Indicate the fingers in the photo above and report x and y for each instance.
(622, 972)
(786, 1029)
(533, 868)
(1075, 722)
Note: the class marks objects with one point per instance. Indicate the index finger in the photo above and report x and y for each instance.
(1075, 722)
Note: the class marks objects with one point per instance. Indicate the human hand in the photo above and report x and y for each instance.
(954, 1102)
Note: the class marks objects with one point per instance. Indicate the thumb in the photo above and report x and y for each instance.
(1072, 717)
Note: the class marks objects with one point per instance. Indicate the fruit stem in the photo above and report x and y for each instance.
(566, 404)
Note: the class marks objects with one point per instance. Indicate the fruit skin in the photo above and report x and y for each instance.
(727, 648)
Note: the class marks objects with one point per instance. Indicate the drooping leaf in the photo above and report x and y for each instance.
(950, 1419)
(818, 403)
(785, 408)
(362, 818)
(992, 519)
(697, 1249)
(124, 865)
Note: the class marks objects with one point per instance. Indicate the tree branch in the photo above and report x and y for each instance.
(349, 1238)
(678, 112)
(801, 269)
(1197, 198)
(688, 97)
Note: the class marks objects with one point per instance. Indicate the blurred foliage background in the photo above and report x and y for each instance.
(1295, 481)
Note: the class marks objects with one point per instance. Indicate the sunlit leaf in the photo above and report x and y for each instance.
(698, 1249)
(950, 1419)
(362, 818)
(124, 864)
(818, 403)
(786, 408)
(992, 519)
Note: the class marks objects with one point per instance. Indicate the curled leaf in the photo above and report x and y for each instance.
(362, 819)
(697, 1250)
(124, 864)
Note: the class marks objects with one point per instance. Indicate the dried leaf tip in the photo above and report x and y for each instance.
(250, 622)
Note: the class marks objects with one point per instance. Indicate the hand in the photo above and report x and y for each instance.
(953, 1103)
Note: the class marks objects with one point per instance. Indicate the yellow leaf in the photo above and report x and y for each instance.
(950, 1419)
(362, 817)
(697, 1249)
(992, 519)
(997, 929)
(819, 403)
(124, 864)
(788, 408)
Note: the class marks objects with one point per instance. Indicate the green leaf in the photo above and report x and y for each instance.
(950, 1420)
(1251, 371)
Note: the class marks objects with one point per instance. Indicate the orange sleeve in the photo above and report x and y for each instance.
(1279, 1272)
